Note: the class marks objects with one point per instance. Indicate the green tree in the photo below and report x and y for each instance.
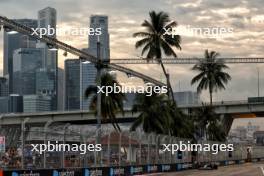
(153, 113)
(111, 104)
(207, 124)
(211, 74)
(155, 40)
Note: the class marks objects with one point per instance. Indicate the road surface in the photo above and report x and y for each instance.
(248, 169)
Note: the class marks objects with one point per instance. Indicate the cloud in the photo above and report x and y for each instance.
(125, 18)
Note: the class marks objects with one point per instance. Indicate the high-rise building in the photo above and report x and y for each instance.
(37, 103)
(61, 88)
(26, 62)
(15, 103)
(4, 104)
(47, 18)
(3, 87)
(78, 77)
(99, 21)
(186, 97)
(45, 82)
(13, 41)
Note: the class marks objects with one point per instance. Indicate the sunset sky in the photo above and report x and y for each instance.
(245, 17)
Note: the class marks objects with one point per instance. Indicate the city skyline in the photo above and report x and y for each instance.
(242, 18)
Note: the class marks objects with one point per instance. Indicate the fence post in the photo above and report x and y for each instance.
(140, 148)
(64, 140)
(96, 153)
(119, 151)
(108, 149)
(23, 125)
(130, 149)
(45, 141)
(157, 149)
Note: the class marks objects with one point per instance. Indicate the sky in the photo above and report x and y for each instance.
(244, 17)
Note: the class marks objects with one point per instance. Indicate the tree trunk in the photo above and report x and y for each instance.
(170, 91)
(211, 98)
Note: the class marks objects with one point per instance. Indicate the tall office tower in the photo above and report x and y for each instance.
(37, 103)
(4, 104)
(47, 18)
(78, 77)
(3, 87)
(99, 21)
(15, 103)
(61, 88)
(13, 41)
(26, 62)
(45, 82)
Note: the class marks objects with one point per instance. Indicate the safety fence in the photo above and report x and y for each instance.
(120, 153)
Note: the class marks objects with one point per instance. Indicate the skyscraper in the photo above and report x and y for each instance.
(61, 88)
(78, 77)
(99, 21)
(15, 103)
(3, 87)
(26, 61)
(47, 18)
(13, 42)
(37, 103)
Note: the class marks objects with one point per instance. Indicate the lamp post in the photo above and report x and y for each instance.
(99, 95)
(258, 83)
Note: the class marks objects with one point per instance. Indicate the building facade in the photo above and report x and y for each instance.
(78, 77)
(3, 87)
(47, 19)
(26, 62)
(13, 41)
(100, 21)
(37, 103)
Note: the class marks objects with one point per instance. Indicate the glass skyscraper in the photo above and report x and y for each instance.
(78, 77)
(99, 21)
(48, 76)
(26, 61)
(13, 42)
(37, 103)
(3, 87)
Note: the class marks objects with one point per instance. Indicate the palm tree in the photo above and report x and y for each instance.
(155, 118)
(211, 75)
(203, 117)
(208, 124)
(111, 104)
(155, 40)
(182, 125)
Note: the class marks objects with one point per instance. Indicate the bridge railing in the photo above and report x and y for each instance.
(220, 103)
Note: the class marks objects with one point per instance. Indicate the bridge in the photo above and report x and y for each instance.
(228, 109)
(73, 117)
(237, 109)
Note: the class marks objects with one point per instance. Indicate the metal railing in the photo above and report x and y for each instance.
(118, 149)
